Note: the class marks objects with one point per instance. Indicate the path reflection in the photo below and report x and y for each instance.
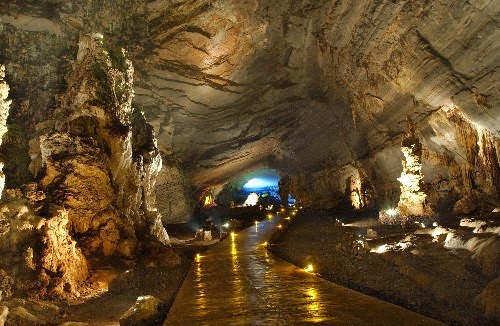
(239, 283)
(314, 306)
(201, 295)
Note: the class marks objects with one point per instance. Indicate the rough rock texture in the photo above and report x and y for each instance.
(4, 311)
(306, 87)
(95, 163)
(100, 150)
(39, 254)
(4, 113)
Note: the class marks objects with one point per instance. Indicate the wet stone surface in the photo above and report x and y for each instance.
(238, 282)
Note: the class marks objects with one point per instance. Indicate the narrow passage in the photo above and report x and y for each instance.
(237, 282)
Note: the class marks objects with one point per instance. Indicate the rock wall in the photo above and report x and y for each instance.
(459, 161)
(174, 200)
(305, 87)
(348, 187)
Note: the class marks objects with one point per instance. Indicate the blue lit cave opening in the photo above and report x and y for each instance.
(240, 202)
(259, 187)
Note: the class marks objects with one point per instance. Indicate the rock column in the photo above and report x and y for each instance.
(412, 200)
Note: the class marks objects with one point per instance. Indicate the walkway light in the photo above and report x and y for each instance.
(309, 268)
(391, 212)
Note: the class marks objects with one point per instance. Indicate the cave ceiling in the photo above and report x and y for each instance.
(230, 86)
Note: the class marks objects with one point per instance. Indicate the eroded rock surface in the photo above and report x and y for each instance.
(95, 164)
(308, 88)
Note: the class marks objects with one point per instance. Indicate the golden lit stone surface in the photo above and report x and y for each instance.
(239, 283)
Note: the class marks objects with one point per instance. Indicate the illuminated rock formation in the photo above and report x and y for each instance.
(412, 199)
(4, 113)
(96, 163)
(100, 159)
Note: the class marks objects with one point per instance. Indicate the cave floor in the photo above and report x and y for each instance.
(419, 273)
(238, 282)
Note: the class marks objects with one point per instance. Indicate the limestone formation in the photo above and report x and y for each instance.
(4, 113)
(412, 199)
(102, 151)
(96, 163)
(307, 89)
(4, 311)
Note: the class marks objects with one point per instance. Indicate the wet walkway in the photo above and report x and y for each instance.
(237, 282)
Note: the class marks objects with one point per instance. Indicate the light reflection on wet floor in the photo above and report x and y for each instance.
(239, 283)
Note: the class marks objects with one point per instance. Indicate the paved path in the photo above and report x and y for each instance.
(239, 283)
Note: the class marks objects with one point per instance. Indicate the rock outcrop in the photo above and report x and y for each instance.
(95, 164)
(100, 150)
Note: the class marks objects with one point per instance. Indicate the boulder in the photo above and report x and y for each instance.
(145, 311)
(464, 206)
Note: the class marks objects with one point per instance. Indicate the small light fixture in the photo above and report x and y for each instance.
(226, 225)
(391, 212)
(265, 243)
(279, 226)
(309, 268)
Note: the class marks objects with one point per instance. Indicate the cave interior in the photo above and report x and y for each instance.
(126, 124)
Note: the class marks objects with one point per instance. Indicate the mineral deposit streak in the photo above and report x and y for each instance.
(239, 283)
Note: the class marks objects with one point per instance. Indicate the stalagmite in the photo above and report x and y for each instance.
(412, 199)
